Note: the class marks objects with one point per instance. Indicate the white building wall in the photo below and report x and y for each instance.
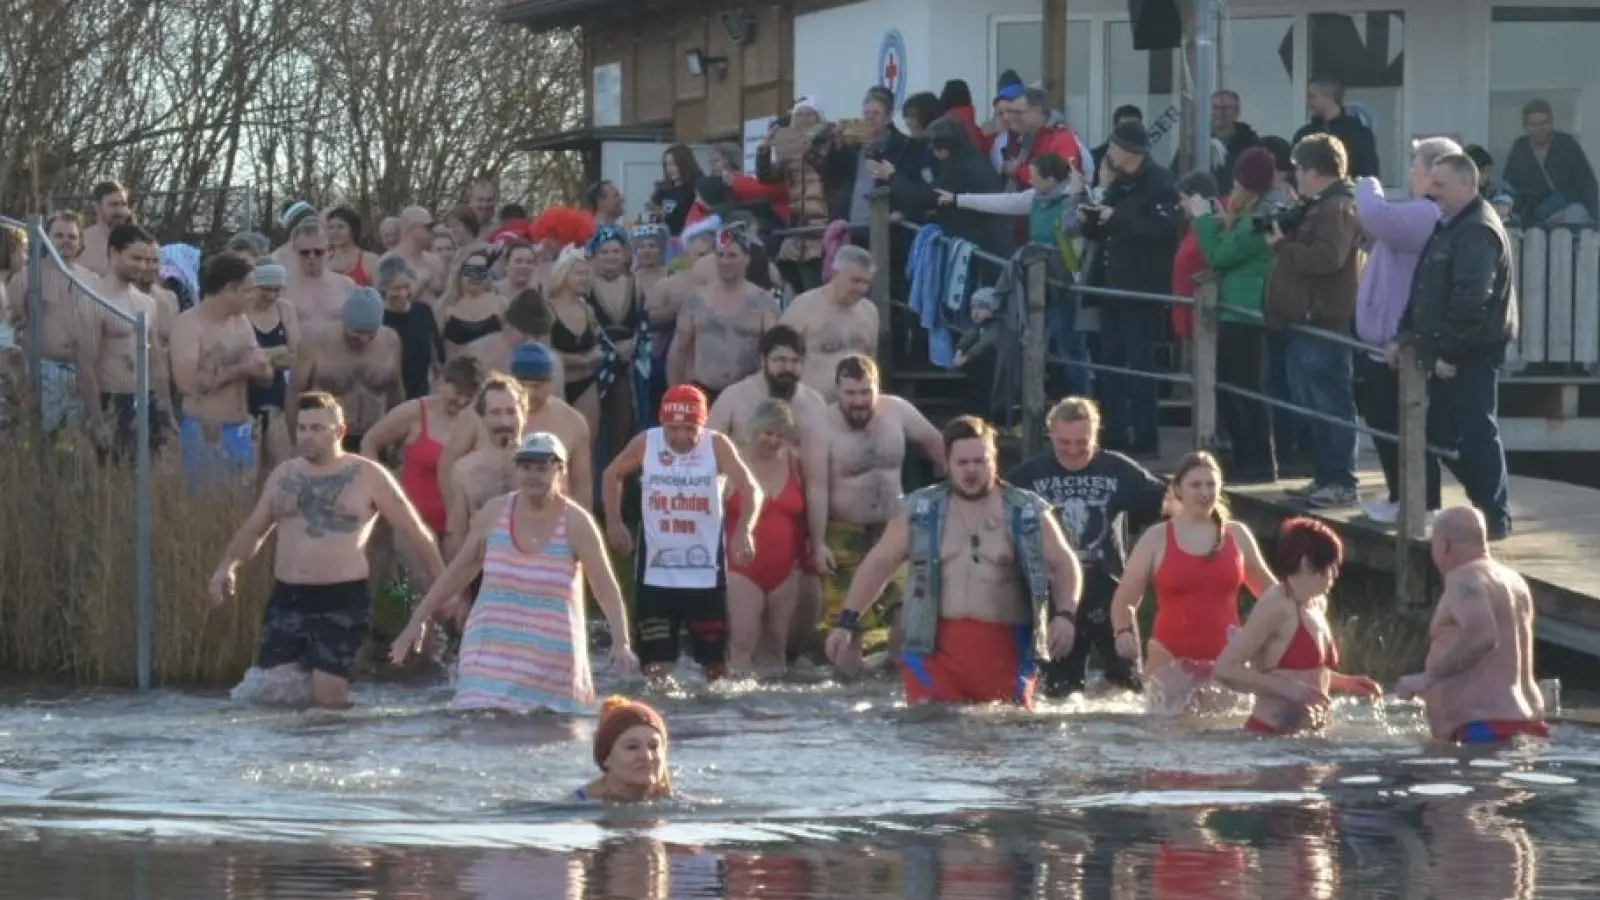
(836, 51)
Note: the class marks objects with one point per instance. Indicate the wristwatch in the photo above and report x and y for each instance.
(849, 620)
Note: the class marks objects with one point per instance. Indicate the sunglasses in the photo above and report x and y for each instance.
(313, 254)
(475, 273)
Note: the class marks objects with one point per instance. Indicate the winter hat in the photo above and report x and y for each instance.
(1131, 137)
(1255, 170)
(617, 715)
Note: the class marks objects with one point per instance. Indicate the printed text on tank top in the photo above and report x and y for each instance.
(681, 517)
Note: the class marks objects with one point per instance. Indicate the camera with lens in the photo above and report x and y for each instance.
(1287, 218)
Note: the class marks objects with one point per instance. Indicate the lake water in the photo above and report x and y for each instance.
(791, 791)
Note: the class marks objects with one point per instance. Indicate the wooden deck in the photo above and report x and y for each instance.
(1555, 543)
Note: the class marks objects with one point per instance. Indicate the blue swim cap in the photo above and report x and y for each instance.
(532, 362)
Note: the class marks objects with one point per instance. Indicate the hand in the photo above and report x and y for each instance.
(624, 351)
(1063, 631)
(450, 608)
(1444, 370)
(1306, 695)
(1128, 645)
(1413, 685)
(1105, 213)
(882, 170)
(841, 647)
(623, 660)
(1391, 355)
(1196, 206)
(409, 640)
(596, 354)
(822, 560)
(728, 175)
(945, 198)
(279, 357)
(621, 538)
(1088, 211)
(1275, 235)
(1362, 686)
(1075, 182)
(259, 363)
(222, 586)
(744, 548)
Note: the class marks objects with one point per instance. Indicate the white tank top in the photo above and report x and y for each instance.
(681, 515)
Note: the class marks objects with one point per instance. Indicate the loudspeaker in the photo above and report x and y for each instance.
(1156, 24)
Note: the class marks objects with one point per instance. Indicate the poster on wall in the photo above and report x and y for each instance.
(754, 131)
(606, 108)
(892, 65)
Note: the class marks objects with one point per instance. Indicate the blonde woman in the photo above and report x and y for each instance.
(471, 308)
(576, 334)
(763, 592)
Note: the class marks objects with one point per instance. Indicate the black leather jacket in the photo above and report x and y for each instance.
(1135, 249)
(1463, 305)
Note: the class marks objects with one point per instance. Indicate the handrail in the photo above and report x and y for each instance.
(41, 250)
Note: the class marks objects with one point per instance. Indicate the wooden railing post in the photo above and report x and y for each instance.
(879, 237)
(1203, 349)
(1410, 567)
(1034, 367)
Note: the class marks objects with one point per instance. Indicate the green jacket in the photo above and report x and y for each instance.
(1241, 259)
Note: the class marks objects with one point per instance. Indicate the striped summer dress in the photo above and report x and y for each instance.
(526, 645)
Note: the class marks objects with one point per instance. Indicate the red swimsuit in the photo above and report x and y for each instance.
(419, 474)
(779, 538)
(1197, 599)
(1304, 654)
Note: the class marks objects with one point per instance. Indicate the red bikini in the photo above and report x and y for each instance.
(1304, 654)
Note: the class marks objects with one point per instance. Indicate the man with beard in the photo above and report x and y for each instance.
(994, 586)
(534, 366)
(486, 473)
(361, 366)
(323, 505)
(110, 210)
(665, 299)
(317, 293)
(59, 372)
(861, 446)
(836, 319)
(1098, 497)
(719, 327)
(107, 352)
(148, 279)
(484, 198)
(682, 582)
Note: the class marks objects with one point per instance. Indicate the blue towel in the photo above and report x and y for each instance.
(927, 268)
(228, 464)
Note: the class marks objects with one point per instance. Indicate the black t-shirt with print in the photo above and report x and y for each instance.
(1095, 504)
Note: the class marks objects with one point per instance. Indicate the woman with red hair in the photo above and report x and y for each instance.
(1286, 653)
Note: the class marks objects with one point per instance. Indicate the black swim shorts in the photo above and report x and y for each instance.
(659, 614)
(320, 626)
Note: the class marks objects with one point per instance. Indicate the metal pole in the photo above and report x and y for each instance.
(35, 301)
(1205, 78)
(142, 412)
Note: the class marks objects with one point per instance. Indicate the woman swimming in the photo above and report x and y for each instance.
(1198, 560)
(1286, 653)
(630, 747)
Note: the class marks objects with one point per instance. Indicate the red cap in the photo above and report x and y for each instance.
(684, 405)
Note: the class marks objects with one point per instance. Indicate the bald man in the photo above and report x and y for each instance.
(1478, 683)
(416, 248)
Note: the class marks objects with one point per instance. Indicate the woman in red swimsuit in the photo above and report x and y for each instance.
(1286, 653)
(421, 427)
(345, 253)
(763, 593)
(1198, 560)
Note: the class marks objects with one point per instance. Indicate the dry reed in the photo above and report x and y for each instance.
(68, 573)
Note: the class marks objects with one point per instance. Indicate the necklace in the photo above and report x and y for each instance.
(974, 535)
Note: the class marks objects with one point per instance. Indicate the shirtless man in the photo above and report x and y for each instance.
(389, 231)
(107, 351)
(416, 248)
(861, 446)
(490, 470)
(527, 318)
(214, 359)
(1478, 683)
(323, 505)
(360, 366)
(110, 210)
(664, 299)
(994, 584)
(316, 292)
(836, 319)
(719, 327)
(148, 280)
(484, 198)
(59, 302)
(533, 366)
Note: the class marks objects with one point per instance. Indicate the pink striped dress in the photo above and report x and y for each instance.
(526, 645)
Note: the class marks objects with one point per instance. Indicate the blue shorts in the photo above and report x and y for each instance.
(230, 462)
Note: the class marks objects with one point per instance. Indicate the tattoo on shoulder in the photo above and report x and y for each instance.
(316, 499)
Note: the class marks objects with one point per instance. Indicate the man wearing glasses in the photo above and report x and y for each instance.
(316, 292)
(416, 248)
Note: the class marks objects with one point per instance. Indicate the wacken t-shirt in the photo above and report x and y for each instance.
(1094, 503)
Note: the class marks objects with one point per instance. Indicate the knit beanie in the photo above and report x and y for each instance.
(617, 715)
(1254, 170)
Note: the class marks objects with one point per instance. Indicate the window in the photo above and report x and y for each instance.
(1147, 79)
(1016, 47)
(1080, 68)
(1543, 54)
(1258, 65)
(1366, 52)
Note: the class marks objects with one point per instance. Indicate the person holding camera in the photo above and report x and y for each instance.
(1135, 230)
(1316, 264)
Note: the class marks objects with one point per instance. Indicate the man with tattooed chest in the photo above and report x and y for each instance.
(861, 447)
(719, 328)
(323, 506)
(359, 365)
(214, 359)
(836, 319)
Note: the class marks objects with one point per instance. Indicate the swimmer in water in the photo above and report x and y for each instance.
(1197, 560)
(630, 747)
(1478, 683)
(1286, 653)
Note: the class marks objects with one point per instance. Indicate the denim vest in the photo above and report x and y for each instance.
(925, 514)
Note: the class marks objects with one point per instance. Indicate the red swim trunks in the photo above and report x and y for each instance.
(1494, 731)
(973, 662)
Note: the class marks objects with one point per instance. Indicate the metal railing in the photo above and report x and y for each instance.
(40, 253)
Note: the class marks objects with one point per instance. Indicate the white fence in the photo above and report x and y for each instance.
(1558, 284)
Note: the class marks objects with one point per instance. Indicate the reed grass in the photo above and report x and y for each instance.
(1381, 646)
(68, 572)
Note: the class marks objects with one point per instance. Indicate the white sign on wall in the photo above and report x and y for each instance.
(606, 96)
(754, 131)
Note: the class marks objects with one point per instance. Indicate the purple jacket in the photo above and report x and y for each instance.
(1399, 230)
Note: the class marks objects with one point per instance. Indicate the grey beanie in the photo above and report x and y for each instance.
(363, 310)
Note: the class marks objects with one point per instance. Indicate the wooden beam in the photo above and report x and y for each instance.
(1054, 35)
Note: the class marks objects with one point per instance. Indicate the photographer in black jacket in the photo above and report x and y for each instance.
(1462, 314)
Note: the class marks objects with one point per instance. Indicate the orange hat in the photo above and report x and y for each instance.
(684, 405)
(617, 715)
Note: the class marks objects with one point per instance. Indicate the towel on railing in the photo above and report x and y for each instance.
(925, 269)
